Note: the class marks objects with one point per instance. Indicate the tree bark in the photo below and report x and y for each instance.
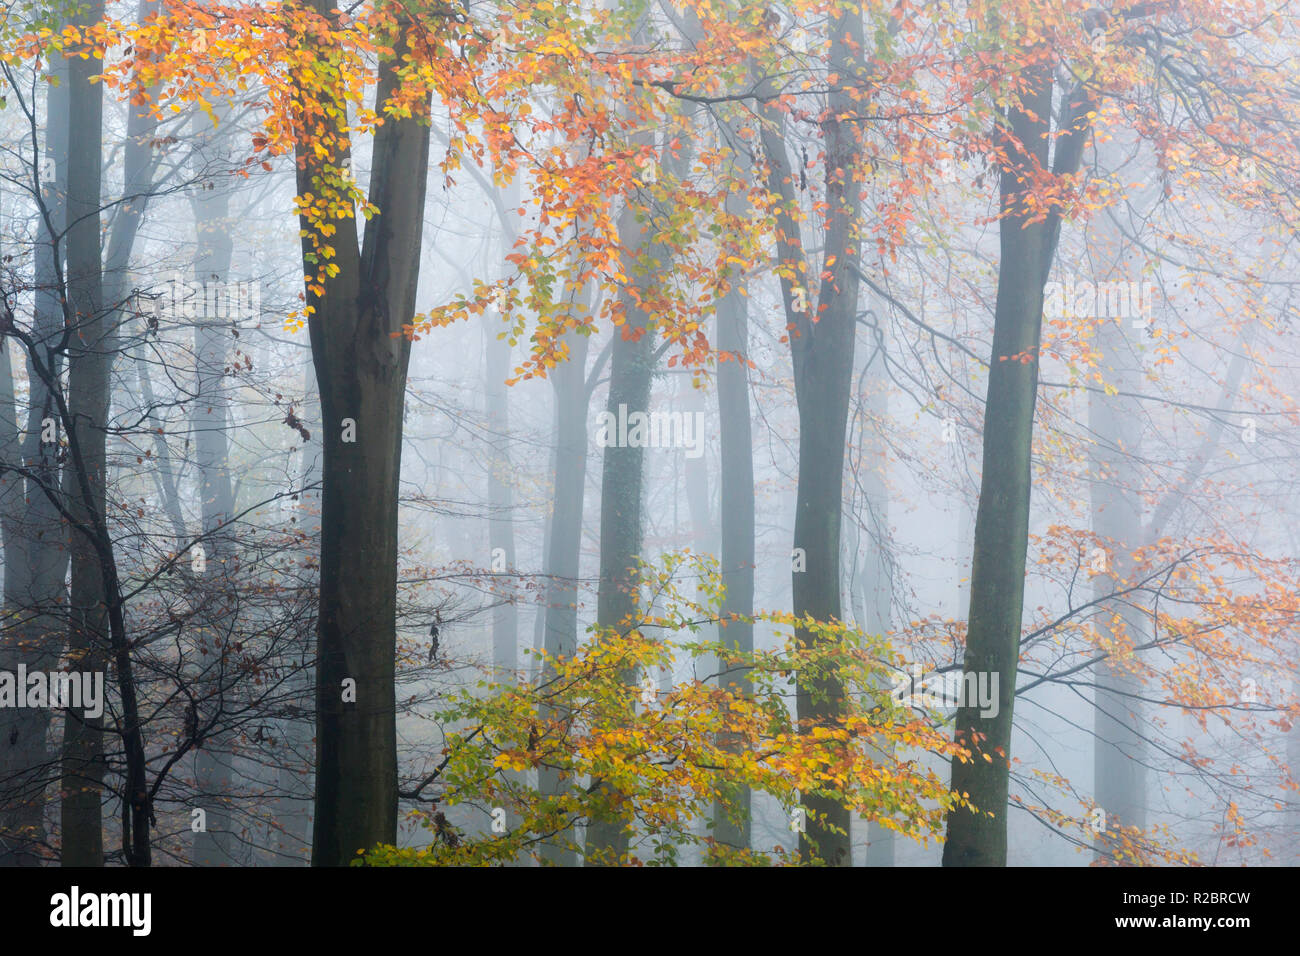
(736, 518)
(214, 249)
(872, 581)
(501, 525)
(36, 538)
(361, 373)
(979, 837)
(621, 493)
(564, 544)
(89, 363)
(1116, 502)
(822, 345)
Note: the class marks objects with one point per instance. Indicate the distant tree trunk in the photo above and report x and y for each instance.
(539, 617)
(165, 472)
(292, 809)
(501, 526)
(22, 729)
(215, 587)
(979, 837)
(90, 361)
(632, 364)
(501, 502)
(1118, 772)
(36, 537)
(1120, 752)
(501, 532)
(695, 471)
(1117, 518)
(873, 580)
(736, 517)
(361, 372)
(564, 542)
(705, 543)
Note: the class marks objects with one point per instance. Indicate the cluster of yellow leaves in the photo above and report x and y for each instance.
(655, 752)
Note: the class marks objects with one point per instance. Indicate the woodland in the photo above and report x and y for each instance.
(649, 433)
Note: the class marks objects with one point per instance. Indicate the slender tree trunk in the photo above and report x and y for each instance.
(35, 577)
(621, 496)
(292, 811)
(706, 545)
(97, 295)
(501, 527)
(215, 587)
(872, 561)
(501, 524)
(979, 837)
(22, 730)
(1117, 518)
(823, 370)
(90, 361)
(564, 545)
(736, 517)
(1118, 772)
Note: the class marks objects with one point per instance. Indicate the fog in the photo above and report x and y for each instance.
(633, 490)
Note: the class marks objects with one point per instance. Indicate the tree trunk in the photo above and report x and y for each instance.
(292, 810)
(361, 373)
(90, 361)
(501, 528)
(979, 837)
(873, 580)
(214, 587)
(23, 729)
(822, 351)
(621, 492)
(1117, 518)
(501, 503)
(36, 537)
(632, 363)
(736, 517)
(564, 543)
